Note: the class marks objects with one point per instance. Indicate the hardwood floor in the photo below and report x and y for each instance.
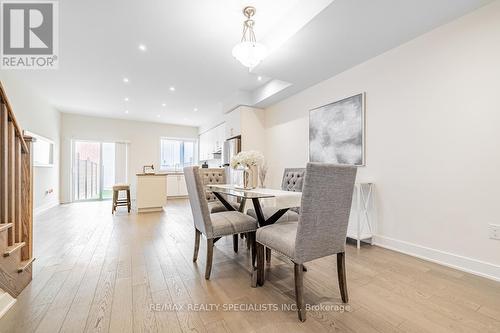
(98, 272)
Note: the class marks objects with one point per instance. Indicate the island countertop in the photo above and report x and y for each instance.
(159, 174)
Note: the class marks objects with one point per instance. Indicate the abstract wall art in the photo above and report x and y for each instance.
(337, 132)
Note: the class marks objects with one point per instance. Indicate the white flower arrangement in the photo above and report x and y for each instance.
(247, 159)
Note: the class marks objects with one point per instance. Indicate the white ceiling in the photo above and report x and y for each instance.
(349, 32)
(189, 45)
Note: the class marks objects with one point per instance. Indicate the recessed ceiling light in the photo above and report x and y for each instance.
(172, 88)
(126, 111)
(126, 99)
(142, 47)
(163, 104)
(125, 80)
(195, 109)
(259, 78)
(158, 116)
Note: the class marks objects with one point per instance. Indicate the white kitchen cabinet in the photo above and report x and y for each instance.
(176, 185)
(220, 137)
(202, 147)
(183, 191)
(172, 186)
(211, 142)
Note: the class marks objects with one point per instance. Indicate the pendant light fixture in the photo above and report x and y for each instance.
(248, 51)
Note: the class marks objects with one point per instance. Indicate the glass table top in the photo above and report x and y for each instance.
(241, 193)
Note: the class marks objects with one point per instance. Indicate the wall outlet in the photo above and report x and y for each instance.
(495, 231)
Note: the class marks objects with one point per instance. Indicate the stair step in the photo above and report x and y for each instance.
(24, 264)
(5, 226)
(11, 249)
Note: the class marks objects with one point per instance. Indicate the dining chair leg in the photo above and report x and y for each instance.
(197, 235)
(113, 205)
(299, 291)
(235, 243)
(260, 264)
(268, 255)
(342, 276)
(253, 247)
(210, 255)
(129, 203)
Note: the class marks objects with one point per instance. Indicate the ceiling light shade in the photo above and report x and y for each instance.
(249, 52)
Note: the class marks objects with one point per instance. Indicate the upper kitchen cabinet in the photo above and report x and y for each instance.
(243, 121)
(211, 143)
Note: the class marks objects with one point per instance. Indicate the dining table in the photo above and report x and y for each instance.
(281, 200)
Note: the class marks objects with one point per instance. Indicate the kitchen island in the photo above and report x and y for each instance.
(154, 188)
(151, 192)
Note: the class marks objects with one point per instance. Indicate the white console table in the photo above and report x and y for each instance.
(361, 226)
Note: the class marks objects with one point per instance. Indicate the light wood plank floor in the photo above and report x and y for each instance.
(95, 272)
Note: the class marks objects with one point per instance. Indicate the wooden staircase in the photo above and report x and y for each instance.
(16, 202)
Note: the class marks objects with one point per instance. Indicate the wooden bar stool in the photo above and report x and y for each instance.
(121, 202)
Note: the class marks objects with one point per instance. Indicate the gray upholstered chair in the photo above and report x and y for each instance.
(293, 180)
(214, 226)
(322, 228)
(211, 176)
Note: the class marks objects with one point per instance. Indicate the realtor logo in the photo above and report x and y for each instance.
(29, 34)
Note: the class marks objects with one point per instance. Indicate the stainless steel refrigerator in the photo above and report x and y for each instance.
(231, 147)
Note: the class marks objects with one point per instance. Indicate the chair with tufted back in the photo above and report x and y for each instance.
(293, 180)
(211, 176)
(214, 226)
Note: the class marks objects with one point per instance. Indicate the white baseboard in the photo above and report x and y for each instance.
(6, 302)
(469, 265)
(46, 207)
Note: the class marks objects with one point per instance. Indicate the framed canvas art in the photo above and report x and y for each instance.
(337, 132)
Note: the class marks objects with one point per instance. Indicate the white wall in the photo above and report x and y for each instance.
(143, 138)
(433, 138)
(36, 115)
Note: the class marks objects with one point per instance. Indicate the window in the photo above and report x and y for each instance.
(43, 151)
(176, 153)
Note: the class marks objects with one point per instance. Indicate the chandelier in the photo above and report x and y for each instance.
(248, 51)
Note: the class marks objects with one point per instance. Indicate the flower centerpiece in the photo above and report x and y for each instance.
(247, 160)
